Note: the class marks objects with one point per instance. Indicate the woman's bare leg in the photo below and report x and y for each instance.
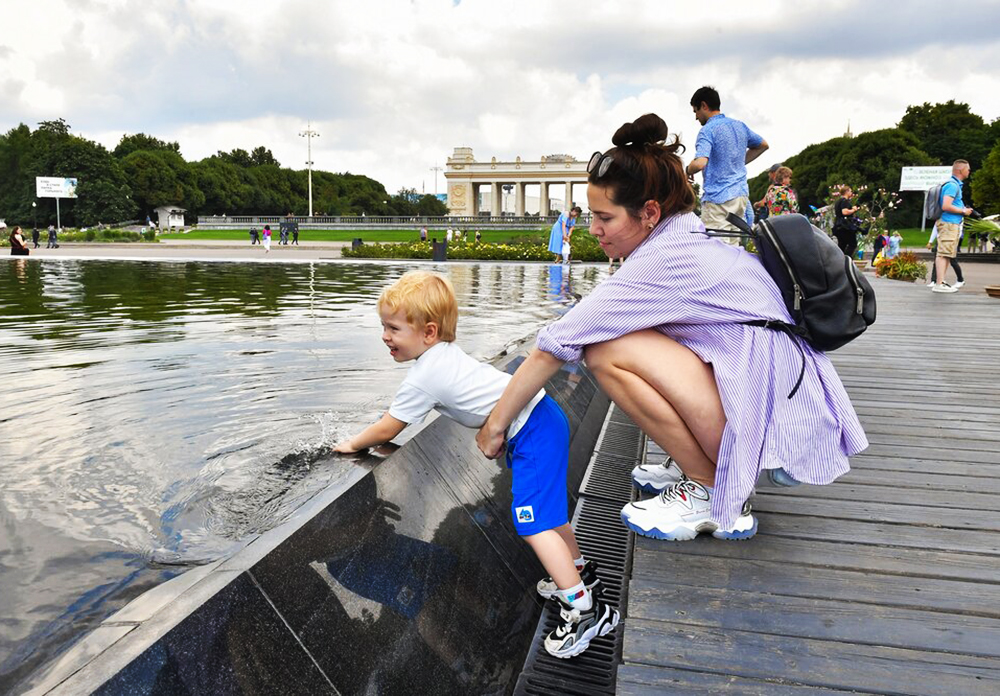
(668, 392)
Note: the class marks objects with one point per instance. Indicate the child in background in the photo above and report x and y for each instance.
(894, 242)
(419, 316)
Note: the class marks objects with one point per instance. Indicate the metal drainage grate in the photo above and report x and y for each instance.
(606, 487)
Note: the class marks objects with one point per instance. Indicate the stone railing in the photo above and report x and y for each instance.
(380, 221)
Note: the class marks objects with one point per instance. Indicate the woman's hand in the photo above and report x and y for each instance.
(490, 441)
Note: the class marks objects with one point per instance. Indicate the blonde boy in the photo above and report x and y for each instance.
(419, 316)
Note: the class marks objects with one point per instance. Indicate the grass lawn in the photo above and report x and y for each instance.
(367, 235)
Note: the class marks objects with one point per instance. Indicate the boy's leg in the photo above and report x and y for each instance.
(552, 550)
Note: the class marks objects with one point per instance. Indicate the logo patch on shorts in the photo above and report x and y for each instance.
(525, 514)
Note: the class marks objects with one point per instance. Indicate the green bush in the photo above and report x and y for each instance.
(105, 235)
(91, 235)
(904, 266)
(585, 248)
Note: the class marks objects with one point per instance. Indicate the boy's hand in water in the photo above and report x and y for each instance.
(344, 447)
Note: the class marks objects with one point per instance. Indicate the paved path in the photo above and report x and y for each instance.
(208, 249)
(887, 581)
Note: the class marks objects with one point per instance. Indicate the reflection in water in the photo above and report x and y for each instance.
(163, 414)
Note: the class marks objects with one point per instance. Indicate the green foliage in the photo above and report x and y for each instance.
(585, 248)
(103, 235)
(949, 131)
(986, 228)
(986, 183)
(103, 191)
(904, 266)
(140, 141)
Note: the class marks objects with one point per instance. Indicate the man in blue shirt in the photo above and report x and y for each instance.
(723, 149)
(949, 227)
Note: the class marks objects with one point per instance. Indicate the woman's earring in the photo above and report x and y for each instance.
(649, 226)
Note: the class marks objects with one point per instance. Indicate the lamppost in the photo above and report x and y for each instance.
(507, 188)
(34, 215)
(436, 169)
(309, 134)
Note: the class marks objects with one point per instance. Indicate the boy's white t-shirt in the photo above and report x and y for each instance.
(458, 386)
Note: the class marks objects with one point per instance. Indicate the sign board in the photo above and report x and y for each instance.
(922, 178)
(55, 187)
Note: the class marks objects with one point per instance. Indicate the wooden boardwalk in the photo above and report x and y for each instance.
(886, 582)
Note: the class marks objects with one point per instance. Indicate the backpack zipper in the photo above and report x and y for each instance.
(796, 287)
(857, 286)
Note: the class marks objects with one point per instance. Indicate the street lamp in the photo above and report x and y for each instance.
(34, 215)
(436, 169)
(309, 134)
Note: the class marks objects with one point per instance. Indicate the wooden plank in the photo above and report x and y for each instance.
(823, 619)
(884, 560)
(917, 515)
(813, 662)
(645, 680)
(753, 575)
(921, 480)
(882, 463)
(928, 497)
(933, 454)
(803, 527)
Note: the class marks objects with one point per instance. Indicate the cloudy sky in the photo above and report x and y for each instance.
(392, 86)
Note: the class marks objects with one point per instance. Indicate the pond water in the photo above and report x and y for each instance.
(161, 415)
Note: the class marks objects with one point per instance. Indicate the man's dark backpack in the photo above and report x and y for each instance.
(830, 302)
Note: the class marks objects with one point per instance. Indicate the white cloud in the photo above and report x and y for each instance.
(393, 87)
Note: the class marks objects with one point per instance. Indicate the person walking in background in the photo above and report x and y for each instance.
(561, 230)
(845, 225)
(423, 234)
(253, 236)
(760, 207)
(35, 236)
(53, 238)
(949, 226)
(959, 277)
(781, 199)
(267, 239)
(295, 233)
(723, 149)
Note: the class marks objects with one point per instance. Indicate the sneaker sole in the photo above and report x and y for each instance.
(650, 487)
(682, 533)
(588, 635)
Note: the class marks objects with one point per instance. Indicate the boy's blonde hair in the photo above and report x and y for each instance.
(425, 297)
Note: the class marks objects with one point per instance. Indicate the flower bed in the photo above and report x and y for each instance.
(585, 248)
(904, 266)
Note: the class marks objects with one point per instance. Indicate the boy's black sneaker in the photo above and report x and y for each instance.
(573, 636)
(547, 587)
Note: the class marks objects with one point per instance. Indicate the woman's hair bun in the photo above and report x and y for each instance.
(645, 130)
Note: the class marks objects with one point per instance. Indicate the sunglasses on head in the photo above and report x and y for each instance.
(600, 163)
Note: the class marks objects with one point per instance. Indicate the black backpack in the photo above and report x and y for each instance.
(829, 300)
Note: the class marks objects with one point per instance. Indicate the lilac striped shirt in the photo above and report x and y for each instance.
(696, 290)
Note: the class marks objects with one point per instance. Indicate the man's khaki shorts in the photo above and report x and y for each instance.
(947, 239)
(713, 215)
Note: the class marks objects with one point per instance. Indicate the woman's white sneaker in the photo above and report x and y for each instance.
(681, 512)
(653, 478)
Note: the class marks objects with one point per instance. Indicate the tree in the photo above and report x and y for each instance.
(239, 157)
(431, 206)
(986, 183)
(949, 131)
(140, 141)
(162, 177)
(261, 156)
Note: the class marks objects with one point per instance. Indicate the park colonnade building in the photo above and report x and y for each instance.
(467, 178)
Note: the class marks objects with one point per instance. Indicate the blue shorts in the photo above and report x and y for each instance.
(539, 457)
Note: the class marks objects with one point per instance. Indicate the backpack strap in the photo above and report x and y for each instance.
(793, 332)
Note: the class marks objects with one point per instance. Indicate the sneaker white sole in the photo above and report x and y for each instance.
(744, 529)
(602, 629)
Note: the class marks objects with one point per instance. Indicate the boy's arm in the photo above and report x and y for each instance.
(377, 433)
